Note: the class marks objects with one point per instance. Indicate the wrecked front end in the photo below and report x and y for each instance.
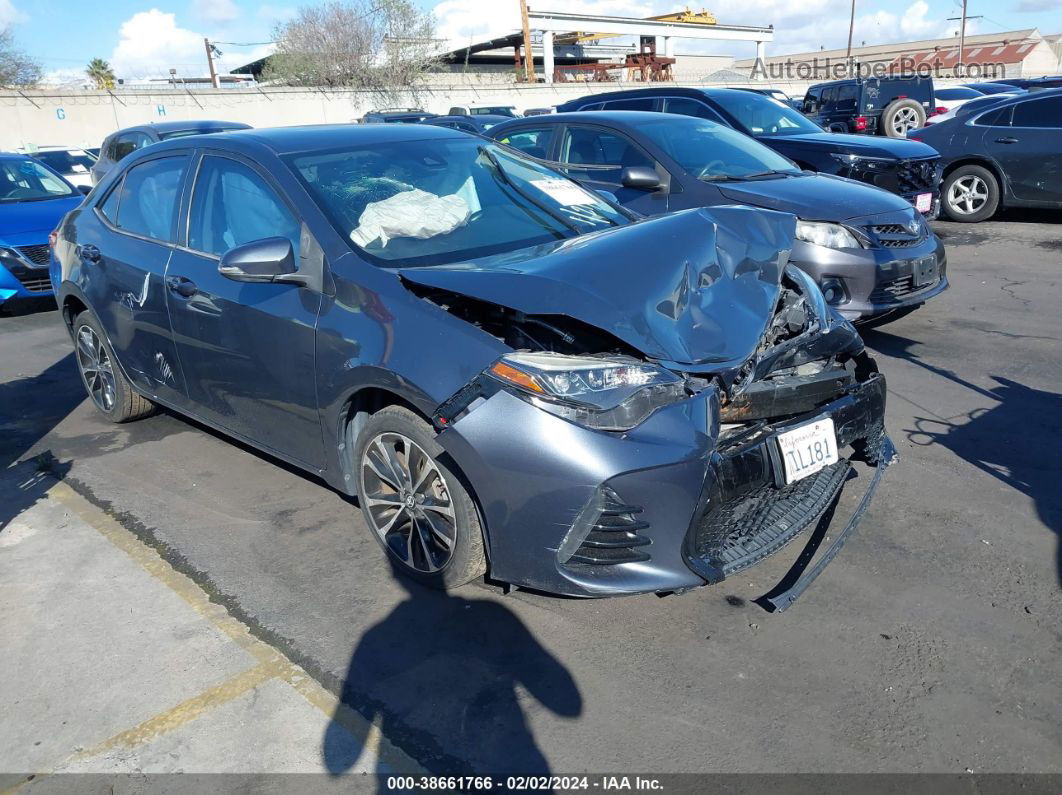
(602, 469)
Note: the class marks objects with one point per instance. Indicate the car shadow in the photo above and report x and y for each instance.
(448, 678)
(998, 439)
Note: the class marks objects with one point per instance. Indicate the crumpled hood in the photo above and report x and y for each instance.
(28, 223)
(815, 197)
(863, 145)
(693, 288)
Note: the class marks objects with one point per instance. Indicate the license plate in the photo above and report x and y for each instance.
(807, 449)
(924, 271)
(924, 202)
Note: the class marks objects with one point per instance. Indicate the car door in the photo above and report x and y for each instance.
(1029, 151)
(125, 245)
(596, 157)
(247, 349)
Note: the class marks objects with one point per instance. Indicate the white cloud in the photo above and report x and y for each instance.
(462, 22)
(216, 11)
(9, 15)
(151, 43)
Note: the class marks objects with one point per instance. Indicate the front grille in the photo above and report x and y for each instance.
(734, 535)
(613, 537)
(38, 254)
(917, 175)
(895, 236)
(35, 283)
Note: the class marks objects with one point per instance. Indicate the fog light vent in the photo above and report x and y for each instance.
(605, 532)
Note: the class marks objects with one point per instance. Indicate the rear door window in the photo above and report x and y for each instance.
(1042, 113)
(643, 103)
(691, 107)
(535, 142)
(846, 97)
(150, 193)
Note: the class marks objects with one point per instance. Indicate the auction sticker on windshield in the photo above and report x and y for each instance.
(924, 202)
(563, 192)
(807, 449)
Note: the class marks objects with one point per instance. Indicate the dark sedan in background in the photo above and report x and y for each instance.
(869, 250)
(904, 167)
(122, 143)
(476, 124)
(1008, 154)
(506, 370)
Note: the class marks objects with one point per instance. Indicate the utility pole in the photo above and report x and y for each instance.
(210, 62)
(851, 27)
(529, 59)
(960, 67)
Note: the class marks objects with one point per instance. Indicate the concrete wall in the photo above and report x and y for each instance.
(84, 118)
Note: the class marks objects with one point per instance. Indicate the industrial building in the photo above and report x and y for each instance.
(1014, 53)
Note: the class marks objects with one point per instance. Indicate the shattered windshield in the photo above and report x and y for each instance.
(432, 202)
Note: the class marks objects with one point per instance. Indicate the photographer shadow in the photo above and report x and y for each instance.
(444, 677)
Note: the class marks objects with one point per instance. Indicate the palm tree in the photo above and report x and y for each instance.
(100, 72)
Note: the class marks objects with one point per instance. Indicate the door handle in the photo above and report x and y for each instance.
(1006, 140)
(183, 287)
(89, 252)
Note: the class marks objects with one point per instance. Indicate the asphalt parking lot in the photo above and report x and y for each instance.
(932, 643)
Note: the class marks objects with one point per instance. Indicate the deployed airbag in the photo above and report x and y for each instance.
(412, 213)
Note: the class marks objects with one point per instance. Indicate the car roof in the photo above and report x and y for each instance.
(621, 117)
(13, 156)
(316, 137)
(181, 126)
(485, 117)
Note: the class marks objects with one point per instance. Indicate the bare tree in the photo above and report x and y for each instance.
(383, 45)
(16, 68)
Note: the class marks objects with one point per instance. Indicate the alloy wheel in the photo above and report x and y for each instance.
(96, 368)
(408, 502)
(904, 120)
(967, 194)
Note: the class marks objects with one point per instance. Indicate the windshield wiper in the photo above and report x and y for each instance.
(540, 205)
(740, 177)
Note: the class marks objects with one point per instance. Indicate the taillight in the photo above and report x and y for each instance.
(861, 122)
(53, 238)
(939, 111)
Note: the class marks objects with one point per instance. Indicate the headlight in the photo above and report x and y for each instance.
(864, 163)
(828, 235)
(612, 394)
(10, 255)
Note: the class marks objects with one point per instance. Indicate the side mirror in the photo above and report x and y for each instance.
(85, 189)
(640, 178)
(269, 260)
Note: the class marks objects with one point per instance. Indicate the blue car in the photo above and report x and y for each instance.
(514, 376)
(33, 199)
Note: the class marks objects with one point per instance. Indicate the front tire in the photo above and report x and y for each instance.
(110, 392)
(414, 502)
(970, 194)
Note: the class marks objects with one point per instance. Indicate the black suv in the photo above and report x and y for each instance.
(397, 116)
(876, 106)
(908, 168)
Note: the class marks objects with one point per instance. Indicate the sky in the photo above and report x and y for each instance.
(145, 39)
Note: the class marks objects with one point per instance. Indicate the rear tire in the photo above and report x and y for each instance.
(902, 115)
(414, 502)
(107, 388)
(969, 194)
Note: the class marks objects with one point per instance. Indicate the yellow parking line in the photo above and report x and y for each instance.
(271, 662)
(186, 711)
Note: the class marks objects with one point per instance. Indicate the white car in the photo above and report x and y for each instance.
(483, 109)
(74, 164)
(958, 105)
